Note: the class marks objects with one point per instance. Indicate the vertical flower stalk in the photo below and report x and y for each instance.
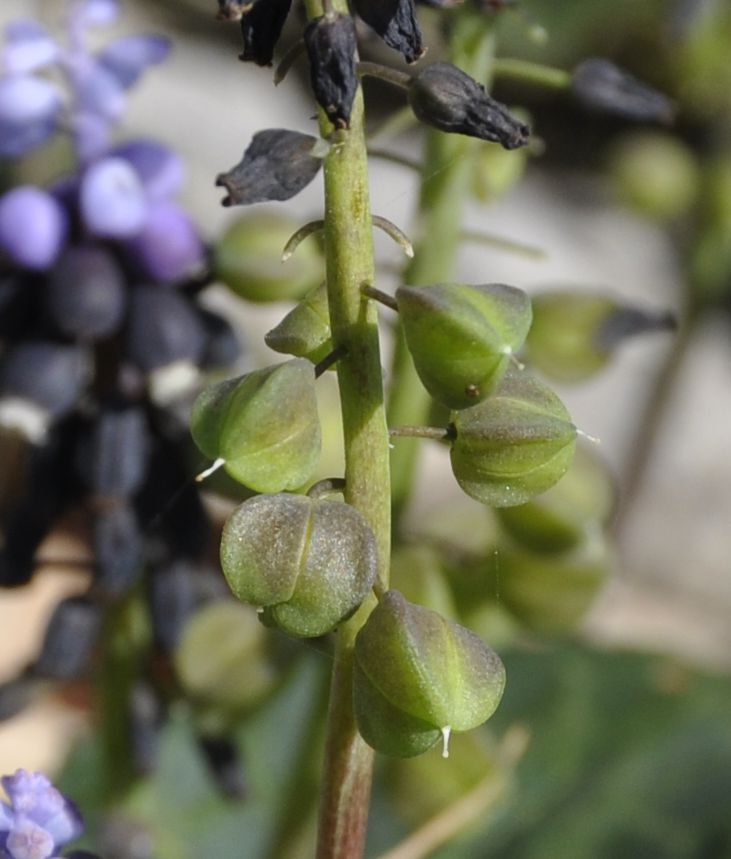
(444, 187)
(349, 251)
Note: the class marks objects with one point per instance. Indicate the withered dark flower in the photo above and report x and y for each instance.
(276, 165)
(395, 22)
(331, 48)
(445, 97)
(261, 27)
(233, 10)
(600, 85)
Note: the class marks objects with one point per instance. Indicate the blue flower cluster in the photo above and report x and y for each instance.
(120, 193)
(38, 820)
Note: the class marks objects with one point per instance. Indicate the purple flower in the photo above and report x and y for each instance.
(38, 820)
(112, 199)
(160, 169)
(33, 227)
(168, 247)
(29, 110)
(28, 47)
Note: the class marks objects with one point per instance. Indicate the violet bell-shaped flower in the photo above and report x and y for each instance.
(38, 820)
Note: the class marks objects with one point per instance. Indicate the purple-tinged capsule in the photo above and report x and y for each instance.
(395, 22)
(276, 165)
(445, 97)
(33, 227)
(331, 48)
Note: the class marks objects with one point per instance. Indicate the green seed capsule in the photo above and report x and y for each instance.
(224, 659)
(515, 445)
(263, 426)
(568, 513)
(574, 334)
(306, 563)
(419, 676)
(248, 260)
(461, 337)
(305, 330)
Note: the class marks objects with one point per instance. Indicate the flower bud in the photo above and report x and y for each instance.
(263, 425)
(445, 97)
(248, 259)
(305, 330)
(419, 676)
(276, 165)
(33, 227)
(461, 337)
(331, 49)
(307, 563)
(395, 22)
(600, 85)
(514, 445)
(574, 334)
(261, 27)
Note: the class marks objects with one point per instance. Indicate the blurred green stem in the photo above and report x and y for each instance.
(348, 767)
(446, 176)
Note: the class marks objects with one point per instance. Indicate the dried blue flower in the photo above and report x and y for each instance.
(277, 165)
(261, 27)
(395, 22)
(600, 85)
(445, 97)
(331, 48)
(38, 820)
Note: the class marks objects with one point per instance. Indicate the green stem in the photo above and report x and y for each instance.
(532, 73)
(353, 319)
(446, 176)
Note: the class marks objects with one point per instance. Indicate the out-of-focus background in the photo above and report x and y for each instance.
(671, 592)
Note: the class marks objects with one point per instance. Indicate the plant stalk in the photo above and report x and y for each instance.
(348, 763)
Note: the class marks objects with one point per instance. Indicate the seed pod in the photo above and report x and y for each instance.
(261, 27)
(307, 563)
(70, 638)
(461, 337)
(113, 457)
(395, 22)
(550, 594)
(224, 660)
(118, 549)
(574, 334)
(248, 259)
(305, 330)
(86, 293)
(567, 514)
(276, 165)
(331, 49)
(514, 445)
(445, 97)
(263, 425)
(600, 85)
(419, 676)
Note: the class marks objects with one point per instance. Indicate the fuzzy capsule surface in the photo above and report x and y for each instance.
(306, 563)
(461, 336)
(419, 675)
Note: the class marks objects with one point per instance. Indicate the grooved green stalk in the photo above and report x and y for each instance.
(348, 765)
(446, 174)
